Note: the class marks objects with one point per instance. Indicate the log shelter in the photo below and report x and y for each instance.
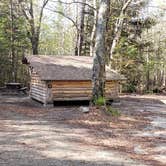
(60, 78)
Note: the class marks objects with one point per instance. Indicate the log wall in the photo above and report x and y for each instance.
(46, 92)
(38, 90)
(79, 90)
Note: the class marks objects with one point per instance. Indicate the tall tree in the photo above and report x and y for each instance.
(80, 32)
(12, 51)
(119, 26)
(13, 41)
(34, 24)
(93, 33)
(99, 74)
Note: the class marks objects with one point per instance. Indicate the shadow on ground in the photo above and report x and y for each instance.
(32, 135)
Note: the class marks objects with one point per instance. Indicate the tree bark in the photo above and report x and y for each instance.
(93, 29)
(12, 49)
(99, 74)
(80, 32)
(118, 27)
(164, 76)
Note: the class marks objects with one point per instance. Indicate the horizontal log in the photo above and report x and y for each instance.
(71, 84)
(78, 95)
(79, 98)
(110, 85)
(77, 85)
(70, 99)
(38, 81)
(39, 85)
(37, 97)
(71, 95)
(79, 88)
(71, 92)
(80, 81)
(38, 88)
(71, 89)
(38, 93)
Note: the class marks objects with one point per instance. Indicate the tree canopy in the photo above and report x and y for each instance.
(129, 39)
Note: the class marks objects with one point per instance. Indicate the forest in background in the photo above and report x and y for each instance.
(135, 38)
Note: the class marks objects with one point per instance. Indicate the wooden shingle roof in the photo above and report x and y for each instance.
(67, 68)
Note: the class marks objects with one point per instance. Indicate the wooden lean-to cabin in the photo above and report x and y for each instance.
(60, 78)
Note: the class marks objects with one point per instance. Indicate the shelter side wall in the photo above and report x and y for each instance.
(38, 90)
(79, 90)
(112, 89)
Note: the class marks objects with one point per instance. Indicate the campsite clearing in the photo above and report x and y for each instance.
(31, 135)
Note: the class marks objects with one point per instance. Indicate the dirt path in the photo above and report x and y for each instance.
(31, 135)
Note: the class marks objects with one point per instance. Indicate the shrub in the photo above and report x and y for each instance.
(129, 88)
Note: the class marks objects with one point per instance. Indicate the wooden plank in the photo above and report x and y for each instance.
(37, 97)
(38, 93)
(78, 84)
(72, 89)
(38, 81)
(69, 92)
(70, 95)
(38, 87)
(79, 98)
(71, 84)
(70, 99)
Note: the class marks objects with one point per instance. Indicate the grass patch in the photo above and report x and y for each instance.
(100, 101)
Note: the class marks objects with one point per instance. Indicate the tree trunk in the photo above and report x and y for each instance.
(35, 45)
(12, 49)
(80, 37)
(93, 29)
(99, 74)
(164, 77)
(118, 27)
(34, 23)
(147, 71)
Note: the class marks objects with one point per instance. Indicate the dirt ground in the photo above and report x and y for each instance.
(31, 135)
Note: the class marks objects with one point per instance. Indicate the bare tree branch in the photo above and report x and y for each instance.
(34, 31)
(75, 2)
(64, 15)
(41, 15)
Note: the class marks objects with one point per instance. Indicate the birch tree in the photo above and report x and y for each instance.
(99, 74)
(119, 26)
(92, 38)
